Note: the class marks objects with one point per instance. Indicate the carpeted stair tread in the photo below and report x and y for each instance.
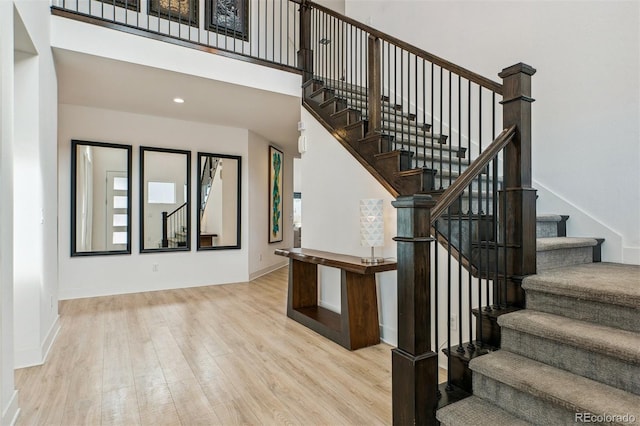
(557, 387)
(557, 243)
(548, 218)
(478, 412)
(592, 281)
(621, 344)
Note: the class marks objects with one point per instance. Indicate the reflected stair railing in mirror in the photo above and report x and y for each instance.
(174, 228)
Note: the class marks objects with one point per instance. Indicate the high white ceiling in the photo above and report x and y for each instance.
(106, 83)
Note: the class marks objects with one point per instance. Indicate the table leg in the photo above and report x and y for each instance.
(359, 306)
(303, 285)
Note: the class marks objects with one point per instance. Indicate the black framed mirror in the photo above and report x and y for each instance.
(165, 194)
(100, 198)
(219, 201)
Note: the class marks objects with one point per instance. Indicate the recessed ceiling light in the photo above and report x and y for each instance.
(178, 100)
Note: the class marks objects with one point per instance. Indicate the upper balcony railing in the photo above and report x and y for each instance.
(256, 30)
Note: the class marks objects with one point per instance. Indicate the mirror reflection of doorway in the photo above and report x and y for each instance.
(297, 219)
(116, 215)
(219, 192)
(297, 203)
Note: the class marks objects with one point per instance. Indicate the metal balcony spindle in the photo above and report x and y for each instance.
(449, 300)
(449, 130)
(469, 218)
(436, 310)
(415, 74)
(460, 348)
(424, 113)
(494, 223)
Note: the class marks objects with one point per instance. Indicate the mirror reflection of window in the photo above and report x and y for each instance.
(164, 206)
(219, 192)
(100, 198)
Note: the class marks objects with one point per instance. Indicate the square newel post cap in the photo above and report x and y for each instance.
(520, 68)
(420, 201)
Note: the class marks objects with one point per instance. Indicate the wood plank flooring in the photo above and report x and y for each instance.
(217, 355)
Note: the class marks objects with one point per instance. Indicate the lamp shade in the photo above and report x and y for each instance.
(371, 223)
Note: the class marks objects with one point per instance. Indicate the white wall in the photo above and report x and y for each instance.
(336, 5)
(261, 254)
(101, 275)
(334, 182)
(586, 125)
(8, 394)
(94, 40)
(35, 231)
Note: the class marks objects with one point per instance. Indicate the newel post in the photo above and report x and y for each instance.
(414, 363)
(165, 240)
(520, 196)
(305, 54)
(374, 92)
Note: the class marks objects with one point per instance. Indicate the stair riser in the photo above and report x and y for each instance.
(441, 160)
(564, 257)
(389, 164)
(344, 118)
(547, 230)
(335, 105)
(321, 96)
(310, 87)
(581, 361)
(621, 317)
(461, 374)
(369, 147)
(521, 404)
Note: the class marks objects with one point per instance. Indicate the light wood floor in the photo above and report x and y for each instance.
(209, 355)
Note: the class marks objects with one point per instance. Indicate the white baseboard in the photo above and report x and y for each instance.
(12, 410)
(389, 335)
(268, 270)
(631, 255)
(51, 337)
(32, 357)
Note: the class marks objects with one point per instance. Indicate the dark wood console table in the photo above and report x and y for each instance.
(357, 325)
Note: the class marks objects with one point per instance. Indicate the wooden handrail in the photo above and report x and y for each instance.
(450, 66)
(175, 211)
(464, 180)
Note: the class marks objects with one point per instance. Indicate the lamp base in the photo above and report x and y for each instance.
(372, 260)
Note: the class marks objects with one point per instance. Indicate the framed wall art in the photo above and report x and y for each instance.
(183, 11)
(275, 194)
(228, 17)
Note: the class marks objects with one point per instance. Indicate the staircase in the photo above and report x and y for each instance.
(572, 356)
(574, 353)
(404, 154)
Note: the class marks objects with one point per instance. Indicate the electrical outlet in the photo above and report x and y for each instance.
(155, 267)
(260, 257)
(453, 322)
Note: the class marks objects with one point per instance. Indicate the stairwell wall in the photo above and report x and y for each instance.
(585, 119)
(333, 183)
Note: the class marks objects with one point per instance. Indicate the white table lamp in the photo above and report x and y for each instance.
(371, 227)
